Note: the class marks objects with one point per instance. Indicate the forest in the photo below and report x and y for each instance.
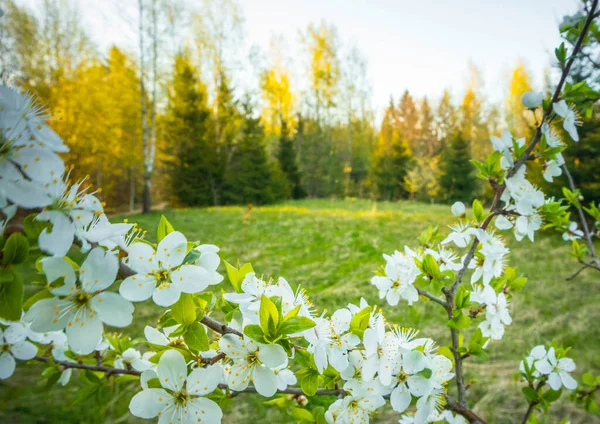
(184, 132)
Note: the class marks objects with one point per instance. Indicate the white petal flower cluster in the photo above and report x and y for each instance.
(81, 305)
(573, 232)
(398, 281)
(14, 345)
(181, 399)
(28, 151)
(134, 359)
(162, 273)
(253, 288)
(544, 364)
(393, 363)
(497, 314)
(253, 362)
(505, 144)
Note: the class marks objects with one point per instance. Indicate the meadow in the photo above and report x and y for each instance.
(332, 247)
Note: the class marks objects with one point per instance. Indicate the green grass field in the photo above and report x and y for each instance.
(332, 249)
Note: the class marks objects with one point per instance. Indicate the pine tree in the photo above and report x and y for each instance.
(391, 161)
(248, 178)
(428, 144)
(288, 163)
(457, 182)
(191, 161)
(408, 120)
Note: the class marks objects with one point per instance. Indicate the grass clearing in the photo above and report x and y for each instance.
(332, 249)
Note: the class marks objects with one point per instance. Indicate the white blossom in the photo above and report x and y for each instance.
(133, 358)
(181, 398)
(13, 345)
(400, 275)
(532, 100)
(252, 362)
(355, 408)
(557, 370)
(572, 233)
(81, 305)
(461, 234)
(161, 274)
(497, 314)
(458, 209)
(570, 118)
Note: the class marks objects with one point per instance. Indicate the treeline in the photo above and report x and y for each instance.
(168, 118)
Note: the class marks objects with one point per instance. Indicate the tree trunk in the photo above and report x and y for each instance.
(147, 185)
(131, 189)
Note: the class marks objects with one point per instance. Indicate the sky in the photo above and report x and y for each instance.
(423, 46)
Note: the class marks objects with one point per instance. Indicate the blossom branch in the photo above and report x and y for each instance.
(533, 403)
(499, 190)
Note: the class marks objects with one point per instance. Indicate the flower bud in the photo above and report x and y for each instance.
(458, 209)
(531, 100)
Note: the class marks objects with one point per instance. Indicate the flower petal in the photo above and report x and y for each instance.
(171, 250)
(190, 278)
(141, 258)
(48, 315)
(24, 350)
(265, 381)
(155, 337)
(138, 288)
(400, 398)
(148, 403)
(7, 365)
(55, 268)
(272, 355)
(84, 331)
(203, 381)
(166, 294)
(112, 309)
(204, 411)
(172, 370)
(58, 241)
(98, 271)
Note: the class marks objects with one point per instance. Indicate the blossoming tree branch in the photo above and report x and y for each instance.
(262, 336)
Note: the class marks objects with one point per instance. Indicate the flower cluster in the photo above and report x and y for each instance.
(549, 365)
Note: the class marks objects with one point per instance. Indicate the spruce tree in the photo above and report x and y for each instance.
(190, 157)
(288, 164)
(248, 176)
(457, 182)
(391, 161)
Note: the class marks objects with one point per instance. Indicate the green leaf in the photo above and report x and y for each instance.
(15, 250)
(184, 310)
(462, 297)
(426, 372)
(478, 211)
(309, 383)
(530, 394)
(236, 276)
(296, 325)
(459, 321)
(431, 267)
(561, 53)
(292, 313)
(42, 294)
(588, 378)
(254, 332)
(269, 316)
(360, 321)
(32, 228)
(195, 337)
(302, 415)
(11, 296)
(164, 228)
(192, 257)
(551, 395)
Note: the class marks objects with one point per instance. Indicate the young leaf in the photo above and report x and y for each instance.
(296, 325)
(360, 321)
(269, 316)
(254, 332)
(15, 250)
(478, 211)
(195, 337)
(184, 310)
(11, 296)
(164, 228)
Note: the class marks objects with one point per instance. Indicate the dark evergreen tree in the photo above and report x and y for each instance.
(248, 177)
(288, 162)
(191, 160)
(390, 161)
(457, 181)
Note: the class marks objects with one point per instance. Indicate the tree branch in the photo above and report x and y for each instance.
(532, 404)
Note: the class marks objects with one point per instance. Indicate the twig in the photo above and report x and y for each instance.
(461, 410)
(432, 297)
(585, 265)
(584, 224)
(532, 404)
